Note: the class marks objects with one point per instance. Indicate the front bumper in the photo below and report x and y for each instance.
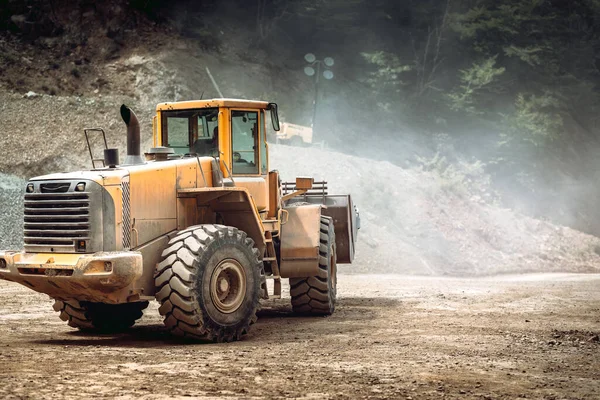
(100, 277)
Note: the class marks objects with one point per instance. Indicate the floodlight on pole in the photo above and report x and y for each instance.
(314, 69)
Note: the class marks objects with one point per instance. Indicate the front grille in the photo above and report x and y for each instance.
(56, 220)
(61, 187)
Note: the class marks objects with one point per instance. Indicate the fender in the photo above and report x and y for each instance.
(300, 239)
(235, 205)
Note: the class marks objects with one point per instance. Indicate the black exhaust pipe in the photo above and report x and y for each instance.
(111, 158)
(133, 136)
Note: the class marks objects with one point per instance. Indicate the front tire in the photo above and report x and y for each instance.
(209, 283)
(317, 294)
(102, 317)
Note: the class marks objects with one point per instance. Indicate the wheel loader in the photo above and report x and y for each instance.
(200, 223)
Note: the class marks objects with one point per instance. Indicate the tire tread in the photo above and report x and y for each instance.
(179, 305)
(316, 294)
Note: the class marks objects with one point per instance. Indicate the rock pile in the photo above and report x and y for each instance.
(11, 204)
(423, 220)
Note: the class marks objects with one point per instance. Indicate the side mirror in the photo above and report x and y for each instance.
(274, 116)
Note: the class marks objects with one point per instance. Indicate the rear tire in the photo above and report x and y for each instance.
(101, 317)
(317, 294)
(209, 283)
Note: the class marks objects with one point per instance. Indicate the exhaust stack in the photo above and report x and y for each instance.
(111, 158)
(133, 136)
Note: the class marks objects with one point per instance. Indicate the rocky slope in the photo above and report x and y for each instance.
(11, 211)
(428, 221)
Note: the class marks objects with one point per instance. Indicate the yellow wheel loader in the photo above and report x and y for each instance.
(198, 223)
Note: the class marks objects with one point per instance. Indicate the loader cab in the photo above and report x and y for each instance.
(232, 131)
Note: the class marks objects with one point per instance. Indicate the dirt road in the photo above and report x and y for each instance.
(531, 336)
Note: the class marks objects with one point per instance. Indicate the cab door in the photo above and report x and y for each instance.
(248, 154)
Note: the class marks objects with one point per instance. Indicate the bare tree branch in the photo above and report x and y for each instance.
(428, 62)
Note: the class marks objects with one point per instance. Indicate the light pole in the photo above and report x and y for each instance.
(310, 71)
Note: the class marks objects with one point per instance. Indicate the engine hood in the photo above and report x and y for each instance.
(103, 177)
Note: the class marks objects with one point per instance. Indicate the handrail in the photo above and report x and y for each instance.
(87, 139)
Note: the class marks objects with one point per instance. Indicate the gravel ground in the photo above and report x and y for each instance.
(11, 206)
(392, 336)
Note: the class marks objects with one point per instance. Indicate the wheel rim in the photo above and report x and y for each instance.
(228, 286)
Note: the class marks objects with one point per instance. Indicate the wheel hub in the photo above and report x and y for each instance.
(223, 285)
(228, 286)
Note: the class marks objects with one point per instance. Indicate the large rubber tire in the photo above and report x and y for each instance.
(100, 317)
(209, 283)
(317, 294)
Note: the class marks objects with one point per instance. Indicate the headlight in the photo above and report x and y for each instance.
(29, 188)
(80, 187)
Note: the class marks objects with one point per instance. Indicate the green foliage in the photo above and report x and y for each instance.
(388, 70)
(481, 19)
(549, 50)
(474, 81)
(531, 55)
(459, 177)
(536, 119)
(490, 25)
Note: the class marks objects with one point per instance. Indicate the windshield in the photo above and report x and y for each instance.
(191, 131)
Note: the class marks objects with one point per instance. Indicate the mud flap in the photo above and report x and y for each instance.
(300, 241)
(345, 221)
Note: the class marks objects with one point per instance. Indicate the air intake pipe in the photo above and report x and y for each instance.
(133, 136)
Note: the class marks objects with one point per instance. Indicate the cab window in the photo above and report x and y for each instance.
(178, 132)
(244, 137)
(191, 131)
